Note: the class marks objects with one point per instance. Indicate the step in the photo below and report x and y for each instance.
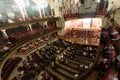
(73, 61)
(76, 63)
(56, 74)
(67, 68)
(82, 60)
(65, 73)
(72, 65)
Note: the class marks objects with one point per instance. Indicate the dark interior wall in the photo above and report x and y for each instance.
(16, 30)
(1, 36)
(103, 5)
(36, 26)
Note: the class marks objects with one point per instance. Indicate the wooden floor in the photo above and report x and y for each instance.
(77, 40)
(93, 76)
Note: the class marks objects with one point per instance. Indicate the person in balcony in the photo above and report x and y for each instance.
(5, 48)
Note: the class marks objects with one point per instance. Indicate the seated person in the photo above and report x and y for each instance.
(81, 67)
(31, 45)
(76, 76)
(5, 48)
(86, 67)
(44, 76)
(53, 65)
(23, 49)
(36, 43)
(9, 43)
(62, 60)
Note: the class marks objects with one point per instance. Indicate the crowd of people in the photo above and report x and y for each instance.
(37, 61)
(53, 55)
(109, 57)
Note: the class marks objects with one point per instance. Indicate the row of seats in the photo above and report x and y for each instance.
(9, 66)
(16, 30)
(23, 36)
(26, 35)
(36, 43)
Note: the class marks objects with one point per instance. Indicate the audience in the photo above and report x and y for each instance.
(56, 51)
(9, 66)
(34, 44)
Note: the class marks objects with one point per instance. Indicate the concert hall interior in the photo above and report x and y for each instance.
(59, 40)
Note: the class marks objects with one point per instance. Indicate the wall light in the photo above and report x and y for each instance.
(98, 1)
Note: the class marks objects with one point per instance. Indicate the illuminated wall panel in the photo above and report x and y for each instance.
(96, 22)
(86, 23)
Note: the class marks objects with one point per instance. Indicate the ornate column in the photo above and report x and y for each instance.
(4, 33)
(61, 24)
(30, 27)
